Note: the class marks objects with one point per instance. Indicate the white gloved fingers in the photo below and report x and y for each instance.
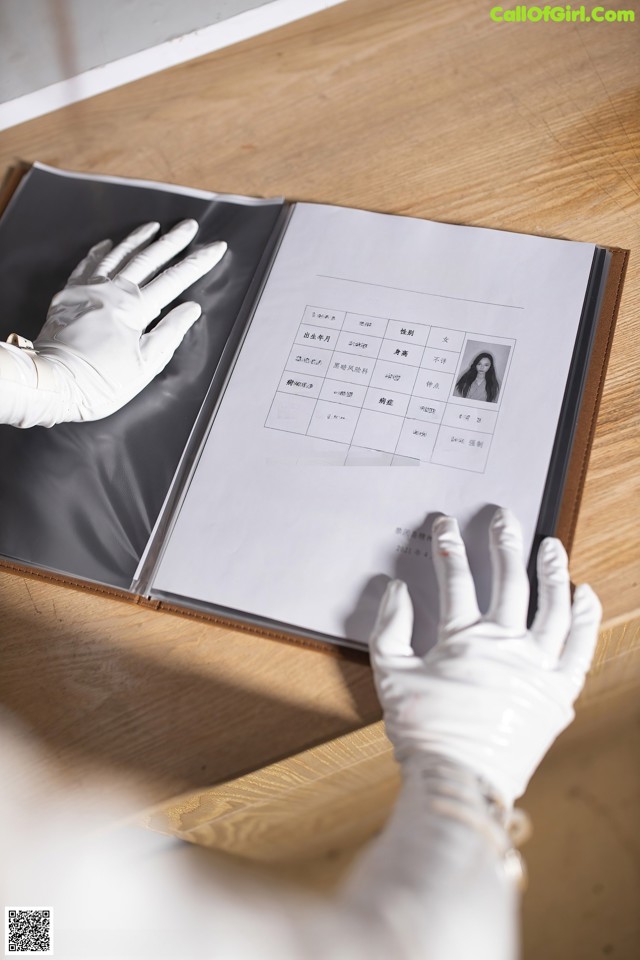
(89, 359)
(158, 346)
(510, 584)
(490, 695)
(456, 589)
(149, 261)
(88, 264)
(109, 266)
(553, 619)
(586, 614)
(391, 635)
(178, 278)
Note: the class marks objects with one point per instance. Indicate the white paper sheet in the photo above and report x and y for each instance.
(342, 431)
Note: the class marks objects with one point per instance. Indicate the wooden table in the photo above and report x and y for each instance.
(406, 106)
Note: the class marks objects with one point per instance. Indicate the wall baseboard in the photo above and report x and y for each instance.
(159, 57)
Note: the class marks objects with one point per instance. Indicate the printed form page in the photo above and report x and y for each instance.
(394, 369)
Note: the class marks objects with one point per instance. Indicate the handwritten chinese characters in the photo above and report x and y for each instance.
(383, 388)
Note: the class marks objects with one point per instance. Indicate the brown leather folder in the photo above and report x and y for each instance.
(36, 510)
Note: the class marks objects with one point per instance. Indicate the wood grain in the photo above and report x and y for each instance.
(330, 797)
(427, 109)
(335, 796)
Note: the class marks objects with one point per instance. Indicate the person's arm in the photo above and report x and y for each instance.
(470, 722)
(92, 355)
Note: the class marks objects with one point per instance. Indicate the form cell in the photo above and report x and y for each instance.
(471, 418)
(378, 431)
(333, 421)
(360, 323)
(337, 391)
(408, 332)
(301, 385)
(417, 439)
(345, 366)
(422, 409)
(322, 337)
(309, 360)
(290, 413)
(440, 360)
(359, 344)
(398, 352)
(394, 376)
(443, 339)
(463, 449)
(433, 385)
(386, 401)
(323, 317)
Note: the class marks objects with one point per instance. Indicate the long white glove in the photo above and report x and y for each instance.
(470, 723)
(469, 720)
(92, 355)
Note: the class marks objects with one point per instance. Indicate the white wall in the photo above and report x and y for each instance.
(45, 41)
(55, 52)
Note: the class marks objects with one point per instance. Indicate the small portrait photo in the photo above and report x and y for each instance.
(482, 371)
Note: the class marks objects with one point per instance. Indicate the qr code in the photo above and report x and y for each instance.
(28, 931)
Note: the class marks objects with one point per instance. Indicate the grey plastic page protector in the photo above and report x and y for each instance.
(82, 498)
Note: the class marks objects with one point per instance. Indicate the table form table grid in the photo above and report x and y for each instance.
(382, 388)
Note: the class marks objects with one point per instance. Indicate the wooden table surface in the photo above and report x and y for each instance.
(405, 106)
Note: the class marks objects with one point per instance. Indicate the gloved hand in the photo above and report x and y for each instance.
(92, 355)
(491, 695)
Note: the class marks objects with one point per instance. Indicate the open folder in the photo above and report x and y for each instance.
(354, 374)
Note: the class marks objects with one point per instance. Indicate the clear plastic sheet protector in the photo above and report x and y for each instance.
(94, 503)
(81, 499)
(312, 561)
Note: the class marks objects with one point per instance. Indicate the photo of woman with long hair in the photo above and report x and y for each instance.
(479, 382)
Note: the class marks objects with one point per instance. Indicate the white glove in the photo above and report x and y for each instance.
(491, 695)
(480, 709)
(92, 355)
